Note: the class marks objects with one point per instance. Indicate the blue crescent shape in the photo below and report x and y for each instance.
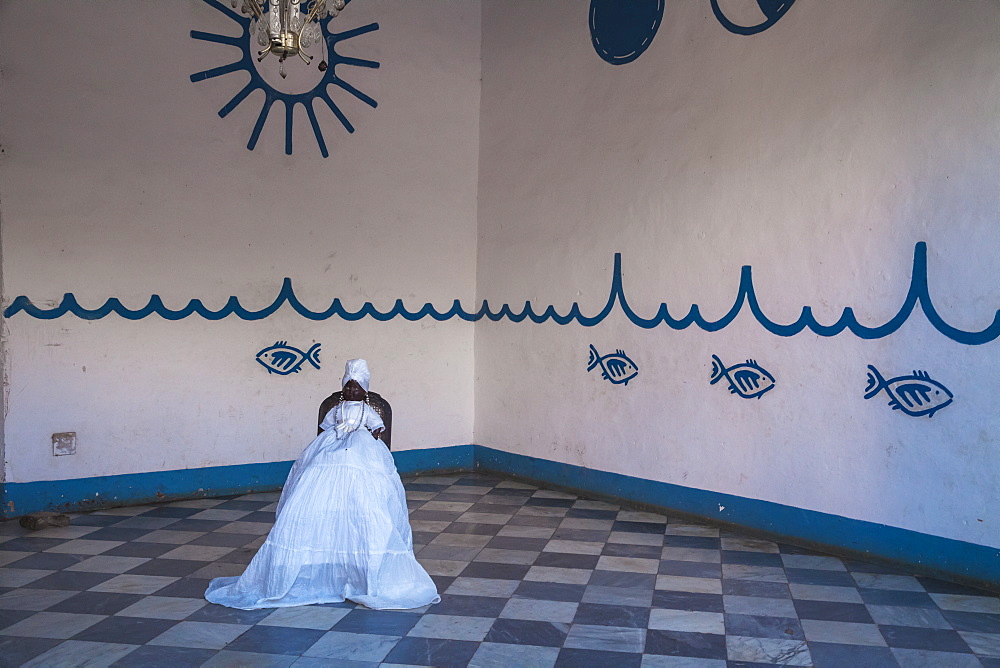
(773, 10)
(622, 30)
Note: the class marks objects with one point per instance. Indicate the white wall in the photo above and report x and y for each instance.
(118, 179)
(819, 152)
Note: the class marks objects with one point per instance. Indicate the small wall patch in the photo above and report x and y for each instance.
(748, 379)
(284, 359)
(615, 367)
(915, 395)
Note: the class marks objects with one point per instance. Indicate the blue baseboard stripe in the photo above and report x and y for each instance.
(944, 557)
(952, 559)
(80, 494)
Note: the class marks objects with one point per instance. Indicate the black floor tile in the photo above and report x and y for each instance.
(171, 511)
(95, 520)
(377, 622)
(752, 558)
(935, 586)
(908, 599)
(148, 656)
(525, 632)
(129, 630)
(474, 528)
(432, 652)
(16, 651)
(677, 643)
(551, 591)
(169, 567)
(96, 603)
(486, 569)
(151, 550)
(70, 581)
(619, 579)
(569, 657)
(589, 514)
(638, 551)
(694, 569)
(549, 503)
(223, 615)
(753, 588)
(241, 505)
(611, 615)
(910, 637)
(8, 617)
(584, 535)
(117, 533)
(978, 622)
(753, 626)
(276, 640)
(833, 611)
(696, 542)
(471, 606)
(222, 540)
(817, 577)
(30, 544)
(185, 588)
(562, 560)
(48, 561)
(682, 600)
(513, 543)
(830, 655)
(639, 527)
(200, 525)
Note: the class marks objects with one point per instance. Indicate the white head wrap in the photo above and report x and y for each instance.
(357, 370)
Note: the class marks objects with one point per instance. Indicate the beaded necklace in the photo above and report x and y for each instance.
(339, 415)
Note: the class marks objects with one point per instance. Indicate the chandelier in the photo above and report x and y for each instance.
(288, 27)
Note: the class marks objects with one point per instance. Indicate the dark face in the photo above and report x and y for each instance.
(353, 391)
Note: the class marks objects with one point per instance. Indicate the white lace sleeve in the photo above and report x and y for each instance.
(372, 420)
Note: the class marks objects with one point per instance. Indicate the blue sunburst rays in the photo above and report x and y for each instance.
(320, 92)
(918, 295)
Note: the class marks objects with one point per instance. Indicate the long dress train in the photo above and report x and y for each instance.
(341, 530)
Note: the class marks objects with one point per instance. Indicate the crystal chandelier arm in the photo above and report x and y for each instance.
(314, 10)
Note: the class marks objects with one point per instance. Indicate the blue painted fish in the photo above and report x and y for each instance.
(915, 395)
(284, 359)
(616, 367)
(748, 379)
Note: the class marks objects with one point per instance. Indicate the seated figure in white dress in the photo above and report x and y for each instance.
(341, 529)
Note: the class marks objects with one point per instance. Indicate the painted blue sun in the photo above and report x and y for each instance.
(308, 99)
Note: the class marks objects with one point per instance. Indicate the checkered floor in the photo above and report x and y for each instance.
(528, 577)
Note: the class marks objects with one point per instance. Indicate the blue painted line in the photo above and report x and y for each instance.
(975, 564)
(918, 296)
(81, 494)
(944, 557)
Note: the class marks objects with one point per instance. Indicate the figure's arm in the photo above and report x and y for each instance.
(373, 423)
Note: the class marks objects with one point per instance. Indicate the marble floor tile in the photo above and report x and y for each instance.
(81, 653)
(52, 625)
(538, 610)
(200, 635)
(687, 620)
(848, 633)
(305, 617)
(449, 627)
(163, 607)
(768, 651)
(606, 638)
(352, 646)
(502, 655)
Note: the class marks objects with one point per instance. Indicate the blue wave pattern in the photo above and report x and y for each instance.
(918, 294)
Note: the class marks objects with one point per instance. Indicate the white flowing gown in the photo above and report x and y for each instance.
(341, 530)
